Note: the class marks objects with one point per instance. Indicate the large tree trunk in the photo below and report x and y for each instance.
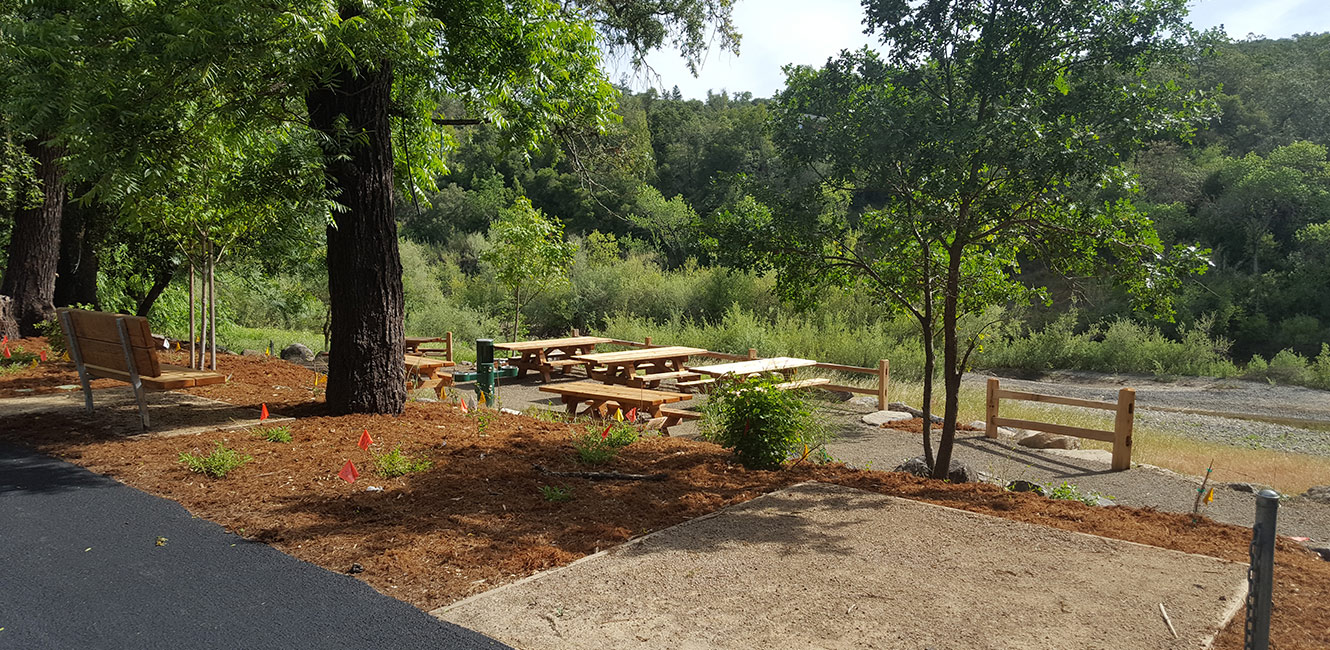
(159, 284)
(365, 371)
(82, 231)
(34, 245)
(951, 370)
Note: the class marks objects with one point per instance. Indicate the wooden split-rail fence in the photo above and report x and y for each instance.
(1119, 437)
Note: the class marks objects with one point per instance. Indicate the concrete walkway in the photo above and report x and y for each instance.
(90, 563)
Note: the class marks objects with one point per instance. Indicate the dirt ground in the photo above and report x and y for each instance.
(824, 566)
(476, 519)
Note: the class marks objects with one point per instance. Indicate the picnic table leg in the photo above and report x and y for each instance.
(572, 403)
(543, 364)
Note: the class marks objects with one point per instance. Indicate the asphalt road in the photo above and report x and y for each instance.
(87, 562)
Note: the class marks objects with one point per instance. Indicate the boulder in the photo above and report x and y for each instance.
(882, 417)
(297, 352)
(1021, 485)
(1049, 441)
(959, 472)
(1323, 551)
(1319, 494)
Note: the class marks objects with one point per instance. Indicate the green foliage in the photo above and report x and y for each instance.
(275, 434)
(556, 494)
(1069, 492)
(528, 254)
(215, 464)
(394, 463)
(762, 424)
(594, 447)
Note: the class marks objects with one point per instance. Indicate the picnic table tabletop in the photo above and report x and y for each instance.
(754, 367)
(599, 396)
(542, 344)
(424, 365)
(644, 354)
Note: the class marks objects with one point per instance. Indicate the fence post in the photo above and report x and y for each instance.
(752, 353)
(448, 346)
(991, 409)
(1122, 429)
(883, 377)
(577, 332)
(646, 340)
(1260, 574)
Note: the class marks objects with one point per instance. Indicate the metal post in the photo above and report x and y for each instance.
(1260, 575)
(134, 380)
(75, 353)
(485, 369)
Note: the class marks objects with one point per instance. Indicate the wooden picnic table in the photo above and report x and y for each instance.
(657, 363)
(427, 372)
(413, 343)
(598, 395)
(547, 355)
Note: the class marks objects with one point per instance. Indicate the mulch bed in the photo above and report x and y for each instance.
(477, 519)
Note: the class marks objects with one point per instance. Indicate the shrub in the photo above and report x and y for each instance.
(1069, 492)
(1289, 367)
(394, 463)
(761, 423)
(216, 464)
(595, 449)
(275, 434)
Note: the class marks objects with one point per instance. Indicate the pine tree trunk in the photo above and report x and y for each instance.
(365, 371)
(34, 245)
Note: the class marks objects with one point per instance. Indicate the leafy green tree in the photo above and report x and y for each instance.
(528, 254)
(965, 142)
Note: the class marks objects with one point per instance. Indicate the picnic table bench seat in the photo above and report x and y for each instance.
(120, 347)
(599, 396)
(804, 383)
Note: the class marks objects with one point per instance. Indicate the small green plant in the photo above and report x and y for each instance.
(619, 435)
(216, 464)
(556, 494)
(763, 424)
(484, 418)
(395, 463)
(1069, 492)
(275, 434)
(595, 449)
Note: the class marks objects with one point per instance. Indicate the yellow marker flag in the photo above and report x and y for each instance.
(1210, 496)
(65, 356)
(618, 414)
(482, 398)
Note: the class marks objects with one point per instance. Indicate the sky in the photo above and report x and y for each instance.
(779, 32)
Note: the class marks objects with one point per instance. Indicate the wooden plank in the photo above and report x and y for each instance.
(101, 326)
(839, 368)
(111, 355)
(599, 391)
(547, 344)
(174, 379)
(1060, 429)
(200, 377)
(682, 414)
(852, 389)
(804, 383)
(991, 409)
(696, 382)
(883, 381)
(1122, 426)
(665, 375)
(647, 354)
(745, 368)
(1054, 399)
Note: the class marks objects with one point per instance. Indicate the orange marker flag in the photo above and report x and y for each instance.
(263, 412)
(365, 440)
(42, 354)
(7, 352)
(632, 414)
(349, 473)
(606, 433)
(462, 404)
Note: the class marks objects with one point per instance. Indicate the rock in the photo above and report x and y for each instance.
(1049, 441)
(509, 411)
(842, 396)
(1323, 551)
(901, 406)
(882, 417)
(865, 400)
(427, 400)
(1103, 501)
(1021, 485)
(251, 353)
(356, 568)
(297, 352)
(1249, 488)
(1319, 494)
(959, 472)
(977, 424)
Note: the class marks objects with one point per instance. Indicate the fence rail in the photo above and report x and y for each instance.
(1120, 436)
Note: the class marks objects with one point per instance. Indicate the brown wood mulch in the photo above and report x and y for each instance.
(477, 518)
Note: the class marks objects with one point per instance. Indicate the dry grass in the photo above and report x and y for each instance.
(1290, 473)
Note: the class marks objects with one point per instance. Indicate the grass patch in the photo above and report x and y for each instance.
(275, 434)
(216, 464)
(394, 463)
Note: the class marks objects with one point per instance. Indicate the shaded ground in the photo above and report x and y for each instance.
(92, 563)
(477, 519)
(823, 566)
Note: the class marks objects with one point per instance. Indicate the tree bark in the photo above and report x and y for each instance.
(365, 371)
(159, 284)
(951, 371)
(34, 245)
(83, 228)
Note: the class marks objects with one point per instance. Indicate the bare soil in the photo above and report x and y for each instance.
(477, 519)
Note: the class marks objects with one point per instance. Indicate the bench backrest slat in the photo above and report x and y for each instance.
(99, 341)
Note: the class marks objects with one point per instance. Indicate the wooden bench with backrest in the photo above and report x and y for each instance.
(122, 347)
